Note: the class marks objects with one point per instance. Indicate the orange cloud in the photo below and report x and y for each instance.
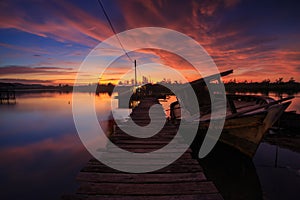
(230, 45)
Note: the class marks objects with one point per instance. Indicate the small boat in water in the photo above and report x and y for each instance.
(247, 119)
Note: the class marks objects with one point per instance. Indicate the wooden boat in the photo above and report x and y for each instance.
(248, 117)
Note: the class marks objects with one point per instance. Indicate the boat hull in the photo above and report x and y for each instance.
(248, 117)
(243, 133)
(248, 136)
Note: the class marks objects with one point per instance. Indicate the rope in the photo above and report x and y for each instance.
(114, 31)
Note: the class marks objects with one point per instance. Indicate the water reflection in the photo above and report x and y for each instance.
(238, 177)
(279, 172)
(233, 173)
(40, 152)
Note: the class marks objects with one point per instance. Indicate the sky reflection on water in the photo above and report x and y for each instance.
(41, 153)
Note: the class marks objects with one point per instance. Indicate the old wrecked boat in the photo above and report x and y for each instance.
(247, 118)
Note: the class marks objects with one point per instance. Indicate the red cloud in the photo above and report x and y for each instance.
(60, 20)
(230, 45)
(10, 70)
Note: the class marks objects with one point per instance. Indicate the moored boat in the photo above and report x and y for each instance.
(247, 119)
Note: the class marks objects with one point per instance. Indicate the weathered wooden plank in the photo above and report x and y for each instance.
(149, 162)
(156, 137)
(140, 178)
(139, 141)
(174, 168)
(166, 127)
(144, 150)
(155, 161)
(147, 146)
(122, 156)
(177, 188)
(151, 141)
(178, 162)
(213, 196)
(165, 135)
(164, 131)
(143, 142)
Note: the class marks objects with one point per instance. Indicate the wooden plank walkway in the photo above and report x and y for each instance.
(183, 179)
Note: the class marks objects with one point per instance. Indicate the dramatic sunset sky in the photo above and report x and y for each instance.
(45, 41)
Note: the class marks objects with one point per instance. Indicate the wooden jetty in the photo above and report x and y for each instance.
(183, 179)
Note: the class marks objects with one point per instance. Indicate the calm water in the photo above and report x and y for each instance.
(281, 179)
(41, 153)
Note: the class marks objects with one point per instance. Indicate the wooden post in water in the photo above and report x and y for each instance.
(276, 157)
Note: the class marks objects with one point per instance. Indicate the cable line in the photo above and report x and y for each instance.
(114, 31)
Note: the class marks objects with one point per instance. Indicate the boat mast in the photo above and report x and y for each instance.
(135, 79)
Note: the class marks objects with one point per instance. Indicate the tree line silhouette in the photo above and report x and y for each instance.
(265, 86)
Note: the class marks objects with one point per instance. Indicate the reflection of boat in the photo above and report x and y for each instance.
(290, 121)
(233, 173)
(247, 117)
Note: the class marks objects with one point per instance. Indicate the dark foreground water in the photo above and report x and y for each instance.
(279, 178)
(41, 154)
